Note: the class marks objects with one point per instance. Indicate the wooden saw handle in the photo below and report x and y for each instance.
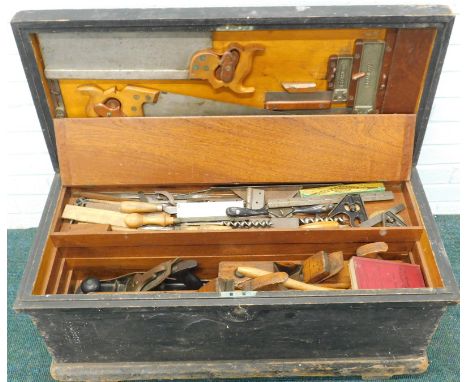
(289, 283)
(132, 207)
(137, 220)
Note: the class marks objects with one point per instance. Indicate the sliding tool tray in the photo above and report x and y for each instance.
(183, 100)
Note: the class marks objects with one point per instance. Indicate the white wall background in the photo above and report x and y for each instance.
(29, 172)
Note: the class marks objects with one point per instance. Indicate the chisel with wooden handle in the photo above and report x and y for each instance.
(135, 220)
(289, 283)
(127, 206)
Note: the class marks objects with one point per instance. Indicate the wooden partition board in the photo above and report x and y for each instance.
(245, 149)
(236, 237)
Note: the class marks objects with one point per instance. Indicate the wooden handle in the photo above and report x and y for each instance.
(372, 250)
(132, 207)
(137, 220)
(320, 225)
(264, 282)
(289, 283)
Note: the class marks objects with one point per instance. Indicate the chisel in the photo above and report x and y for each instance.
(134, 220)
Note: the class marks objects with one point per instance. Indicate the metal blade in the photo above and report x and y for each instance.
(313, 200)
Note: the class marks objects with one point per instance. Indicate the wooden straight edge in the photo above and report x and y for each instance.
(235, 149)
(112, 239)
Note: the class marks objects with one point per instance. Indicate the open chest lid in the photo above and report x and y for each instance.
(212, 95)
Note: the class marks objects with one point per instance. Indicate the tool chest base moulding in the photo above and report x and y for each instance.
(221, 174)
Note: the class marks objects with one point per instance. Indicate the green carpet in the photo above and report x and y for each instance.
(28, 360)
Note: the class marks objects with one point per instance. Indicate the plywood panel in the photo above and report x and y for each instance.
(247, 149)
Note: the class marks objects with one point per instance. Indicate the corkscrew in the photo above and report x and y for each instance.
(248, 223)
(320, 219)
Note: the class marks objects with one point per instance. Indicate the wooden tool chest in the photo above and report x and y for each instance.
(184, 100)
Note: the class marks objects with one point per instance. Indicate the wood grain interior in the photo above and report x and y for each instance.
(241, 149)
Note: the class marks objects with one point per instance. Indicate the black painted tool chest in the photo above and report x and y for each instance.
(130, 100)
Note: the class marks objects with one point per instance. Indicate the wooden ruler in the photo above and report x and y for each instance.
(343, 189)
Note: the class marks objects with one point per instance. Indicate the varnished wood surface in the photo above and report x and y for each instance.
(428, 263)
(48, 263)
(235, 237)
(255, 149)
(412, 205)
(226, 250)
(412, 50)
